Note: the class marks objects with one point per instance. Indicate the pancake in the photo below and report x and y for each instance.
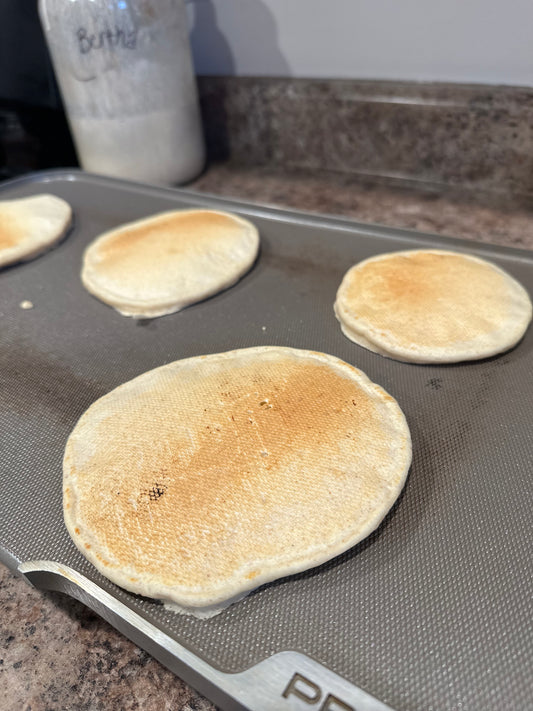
(160, 265)
(432, 306)
(31, 225)
(207, 477)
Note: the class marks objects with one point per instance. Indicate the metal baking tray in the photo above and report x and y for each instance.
(432, 611)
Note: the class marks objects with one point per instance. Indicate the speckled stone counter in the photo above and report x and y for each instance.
(56, 654)
(456, 212)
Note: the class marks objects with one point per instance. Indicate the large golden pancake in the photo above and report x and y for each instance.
(31, 225)
(161, 264)
(204, 478)
(432, 306)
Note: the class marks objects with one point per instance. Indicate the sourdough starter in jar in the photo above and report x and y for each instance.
(125, 72)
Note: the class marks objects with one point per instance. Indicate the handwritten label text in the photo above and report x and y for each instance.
(119, 37)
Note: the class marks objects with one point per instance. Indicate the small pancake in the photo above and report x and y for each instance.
(202, 479)
(166, 262)
(31, 225)
(432, 306)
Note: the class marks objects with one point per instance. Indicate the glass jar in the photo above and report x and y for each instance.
(125, 72)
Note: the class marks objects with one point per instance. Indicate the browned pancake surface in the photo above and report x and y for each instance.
(431, 305)
(194, 479)
(160, 264)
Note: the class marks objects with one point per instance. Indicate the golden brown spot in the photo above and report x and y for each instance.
(172, 233)
(408, 280)
(10, 233)
(77, 530)
(426, 298)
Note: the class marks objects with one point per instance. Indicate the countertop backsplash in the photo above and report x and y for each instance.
(472, 136)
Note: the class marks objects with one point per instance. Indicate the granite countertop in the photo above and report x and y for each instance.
(54, 652)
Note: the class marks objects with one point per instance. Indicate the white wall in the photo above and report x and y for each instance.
(487, 41)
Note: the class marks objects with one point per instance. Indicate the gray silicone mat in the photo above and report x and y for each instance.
(433, 611)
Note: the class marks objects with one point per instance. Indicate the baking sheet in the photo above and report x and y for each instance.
(433, 610)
